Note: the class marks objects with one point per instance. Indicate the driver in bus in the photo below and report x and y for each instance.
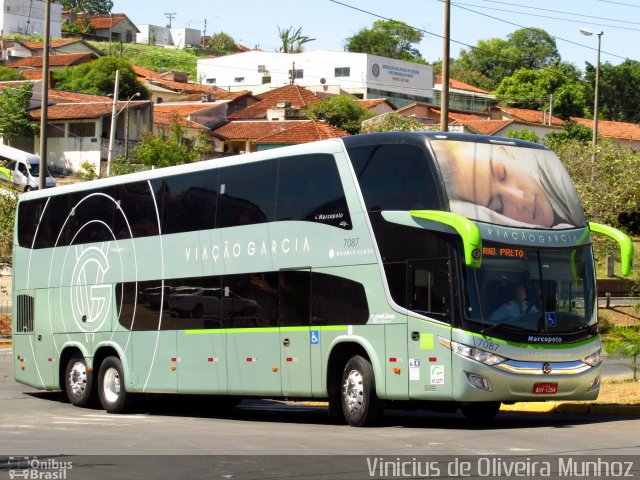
(514, 308)
(508, 185)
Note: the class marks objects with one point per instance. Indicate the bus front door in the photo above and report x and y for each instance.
(429, 294)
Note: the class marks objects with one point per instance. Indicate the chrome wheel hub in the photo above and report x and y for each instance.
(111, 385)
(78, 379)
(353, 392)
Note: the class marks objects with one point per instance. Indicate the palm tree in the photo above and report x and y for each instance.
(292, 41)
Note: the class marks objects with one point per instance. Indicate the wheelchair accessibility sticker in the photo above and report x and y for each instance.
(314, 337)
(550, 319)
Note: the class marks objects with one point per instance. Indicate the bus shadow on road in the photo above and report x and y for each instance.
(279, 411)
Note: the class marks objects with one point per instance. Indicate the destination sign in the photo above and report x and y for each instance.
(503, 252)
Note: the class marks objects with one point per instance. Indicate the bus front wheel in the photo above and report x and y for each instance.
(111, 389)
(360, 405)
(78, 381)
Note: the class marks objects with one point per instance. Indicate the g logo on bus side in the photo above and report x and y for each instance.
(90, 297)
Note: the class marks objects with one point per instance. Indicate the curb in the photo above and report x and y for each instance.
(573, 408)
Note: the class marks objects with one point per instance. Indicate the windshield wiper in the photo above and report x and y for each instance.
(505, 326)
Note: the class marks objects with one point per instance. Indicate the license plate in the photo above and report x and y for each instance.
(545, 388)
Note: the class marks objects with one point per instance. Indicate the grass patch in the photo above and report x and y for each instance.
(619, 392)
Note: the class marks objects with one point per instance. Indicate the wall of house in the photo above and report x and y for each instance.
(154, 35)
(27, 18)
(185, 37)
(67, 153)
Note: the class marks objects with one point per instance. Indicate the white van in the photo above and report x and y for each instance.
(22, 169)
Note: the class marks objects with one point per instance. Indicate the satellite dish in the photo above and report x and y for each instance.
(323, 81)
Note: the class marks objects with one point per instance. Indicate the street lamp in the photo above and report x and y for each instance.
(588, 32)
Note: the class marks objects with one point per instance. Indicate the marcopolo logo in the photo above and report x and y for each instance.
(90, 297)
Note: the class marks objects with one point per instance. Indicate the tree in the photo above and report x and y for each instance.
(609, 188)
(14, 120)
(292, 41)
(221, 43)
(624, 341)
(393, 122)
(524, 134)
(619, 91)
(387, 38)
(8, 203)
(572, 131)
(527, 48)
(532, 89)
(88, 6)
(8, 74)
(98, 77)
(169, 148)
(340, 111)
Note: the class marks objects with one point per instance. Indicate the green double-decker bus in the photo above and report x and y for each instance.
(431, 270)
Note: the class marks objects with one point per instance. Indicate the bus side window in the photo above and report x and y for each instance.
(247, 194)
(430, 288)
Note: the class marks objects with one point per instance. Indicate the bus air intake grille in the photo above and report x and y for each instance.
(24, 314)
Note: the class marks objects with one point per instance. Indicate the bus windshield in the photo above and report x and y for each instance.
(531, 290)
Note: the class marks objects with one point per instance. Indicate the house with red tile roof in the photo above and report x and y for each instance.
(56, 62)
(278, 104)
(19, 48)
(463, 96)
(114, 26)
(243, 136)
(303, 132)
(377, 105)
(174, 87)
(79, 124)
(624, 132)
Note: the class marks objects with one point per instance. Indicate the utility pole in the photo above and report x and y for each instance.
(44, 98)
(114, 118)
(292, 77)
(444, 97)
(170, 16)
(204, 34)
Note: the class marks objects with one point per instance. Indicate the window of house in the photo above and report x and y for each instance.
(299, 73)
(211, 81)
(55, 130)
(342, 72)
(238, 79)
(262, 68)
(84, 129)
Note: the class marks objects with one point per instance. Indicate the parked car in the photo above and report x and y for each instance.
(22, 169)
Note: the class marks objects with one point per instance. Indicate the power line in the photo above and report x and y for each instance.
(555, 18)
(620, 3)
(573, 14)
(529, 28)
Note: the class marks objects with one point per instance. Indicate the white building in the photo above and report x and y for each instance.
(26, 17)
(363, 75)
(168, 37)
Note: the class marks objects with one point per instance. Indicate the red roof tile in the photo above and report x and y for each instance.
(373, 102)
(65, 60)
(77, 111)
(608, 128)
(299, 97)
(531, 116)
(458, 85)
(486, 127)
(243, 130)
(180, 109)
(62, 96)
(102, 21)
(40, 45)
(168, 118)
(305, 132)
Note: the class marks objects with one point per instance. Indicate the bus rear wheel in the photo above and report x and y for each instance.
(78, 381)
(360, 405)
(114, 397)
(480, 411)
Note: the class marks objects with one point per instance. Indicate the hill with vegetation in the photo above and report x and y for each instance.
(155, 58)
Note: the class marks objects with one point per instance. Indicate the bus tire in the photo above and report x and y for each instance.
(114, 397)
(78, 381)
(480, 411)
(360, 405)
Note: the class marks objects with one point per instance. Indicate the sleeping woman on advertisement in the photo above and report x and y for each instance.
(508, 185)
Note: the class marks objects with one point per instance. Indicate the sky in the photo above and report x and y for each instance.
(255, 22)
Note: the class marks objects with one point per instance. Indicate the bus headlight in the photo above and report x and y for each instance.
(593, 359)
(481, 356)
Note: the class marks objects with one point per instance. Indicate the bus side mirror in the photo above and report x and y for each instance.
(626, 245)
(468, 231)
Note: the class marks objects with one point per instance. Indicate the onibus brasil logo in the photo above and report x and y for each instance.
(90, 297)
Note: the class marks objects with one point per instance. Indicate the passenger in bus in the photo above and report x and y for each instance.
(508, 185)
(514, 308)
